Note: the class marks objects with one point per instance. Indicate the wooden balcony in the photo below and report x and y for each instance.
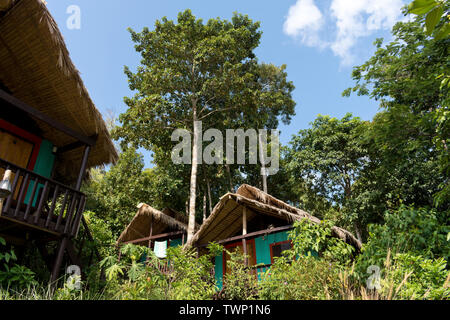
(42, 203)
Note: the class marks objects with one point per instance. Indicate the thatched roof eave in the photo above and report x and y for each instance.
(35, 66)
(139, 227)
(262, 203)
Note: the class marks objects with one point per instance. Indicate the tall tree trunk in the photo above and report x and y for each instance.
(209, 194)
(204, 206)
(193, 188)
(229, 177)
(263, 166)
(358, 232)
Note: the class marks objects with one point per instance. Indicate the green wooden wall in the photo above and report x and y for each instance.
(44, 166)
(262, 251)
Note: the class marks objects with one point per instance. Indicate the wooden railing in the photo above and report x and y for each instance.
(41, 202)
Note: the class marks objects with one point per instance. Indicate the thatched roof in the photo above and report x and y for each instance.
(36, 68)
(166, 221)
(226, 218)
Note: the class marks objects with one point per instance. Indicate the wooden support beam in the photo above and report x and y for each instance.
(58, 261)
(83, 168)
(74, 145)
(43, 117)
(244, 233)
(150, 235)
(251, 235)
(13, 240)
(159, 236)
(74, 258)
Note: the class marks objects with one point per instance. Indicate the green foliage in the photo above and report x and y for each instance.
(114, 194)
(417, 277)
(12, 274)
(187, 277)
(434, 11)
(407, 141)
(327, 159)
(311, 239)
(419, 232)
(239, 283)
(306, 278)
(194, 71)
(132, 279)
(192, 278)
(329, 156)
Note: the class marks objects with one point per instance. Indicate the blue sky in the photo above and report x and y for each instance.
(319, 41)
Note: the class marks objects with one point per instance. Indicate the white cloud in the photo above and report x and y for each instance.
(348, 21)
(304, 20)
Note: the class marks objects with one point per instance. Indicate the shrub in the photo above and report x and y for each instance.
(419, 232)
(414, 277)
(238, 283)
(186, 278)
(306, 278)
(310, 238)
(12, 274)
(192, 278)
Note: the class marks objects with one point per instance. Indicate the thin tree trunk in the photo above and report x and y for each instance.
(204, 206)
(193, 188)
(229, 177)
(358, 232)
(263, 166)
(209, 195)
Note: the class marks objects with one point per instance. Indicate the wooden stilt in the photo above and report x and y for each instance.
(83, 167)
(59, 258)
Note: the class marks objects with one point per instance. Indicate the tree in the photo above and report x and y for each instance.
(329, 157)
(409, 138)
(193, 72)
(435, 12)
(114, 194)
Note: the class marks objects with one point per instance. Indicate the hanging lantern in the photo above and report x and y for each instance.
(5, 185)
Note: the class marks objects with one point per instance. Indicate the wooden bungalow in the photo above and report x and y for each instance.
(50, 134)
(255, 223)
(150, 225)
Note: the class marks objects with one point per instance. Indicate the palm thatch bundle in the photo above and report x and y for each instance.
(177, 216)
(148, 217)
(226, 218)
(6, 4)
(36, 68)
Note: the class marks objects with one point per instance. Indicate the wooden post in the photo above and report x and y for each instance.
(151, 234)
(83, 168)
(150, 237)
(65, 239)
(6, 176)
(244, 232)
(59, 258)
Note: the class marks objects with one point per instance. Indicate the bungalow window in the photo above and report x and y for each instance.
(276, 249)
